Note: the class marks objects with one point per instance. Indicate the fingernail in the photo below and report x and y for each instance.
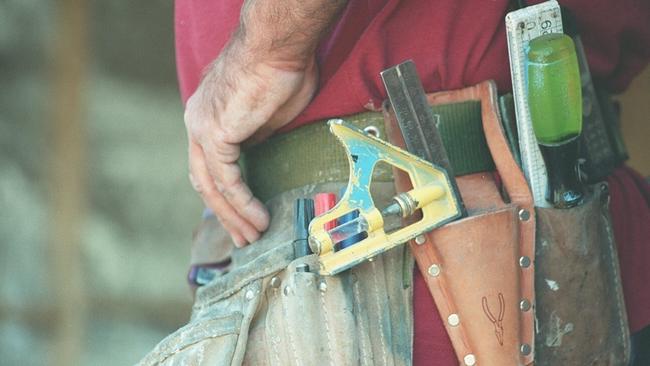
(239, 242)
(259, 216)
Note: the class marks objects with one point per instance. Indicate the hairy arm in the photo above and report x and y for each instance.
(265, 76)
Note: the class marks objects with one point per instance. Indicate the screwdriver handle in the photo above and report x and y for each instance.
(555, 103)
(554, 89)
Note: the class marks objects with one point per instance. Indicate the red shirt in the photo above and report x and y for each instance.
(454, 44)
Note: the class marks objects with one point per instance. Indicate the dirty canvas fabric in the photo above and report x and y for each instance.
(265, 312)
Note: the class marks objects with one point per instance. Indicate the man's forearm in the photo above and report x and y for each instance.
(285, 31)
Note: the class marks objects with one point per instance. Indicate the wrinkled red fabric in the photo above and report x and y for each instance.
(454, 44)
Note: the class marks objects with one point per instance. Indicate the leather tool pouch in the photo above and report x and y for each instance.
(265, 311)
(479, 269)
(580, 310)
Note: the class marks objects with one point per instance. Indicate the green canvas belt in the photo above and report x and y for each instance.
(311, 154)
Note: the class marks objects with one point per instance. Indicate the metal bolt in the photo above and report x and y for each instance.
(470, 360)
(287, 290)
(453, 320)
(604, 187)
(524, 305)
(524, 262)
(249, 295)
(322, 286)
(303, 267)
(314, 245)
(275, 282)
(525, 349)
(434, 270)
(372, 130)
(524, 215)
(420, 239)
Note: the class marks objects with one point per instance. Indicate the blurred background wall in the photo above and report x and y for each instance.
(96, 212)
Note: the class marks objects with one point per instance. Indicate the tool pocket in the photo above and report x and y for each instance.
(480, 273)
(302, 320)
(218, 331)
(580, 308)
(217, 334)
(480, 269)
(474, 275)
(348, 319)
(205, 342)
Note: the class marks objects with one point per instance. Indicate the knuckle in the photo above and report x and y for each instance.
(227, 152)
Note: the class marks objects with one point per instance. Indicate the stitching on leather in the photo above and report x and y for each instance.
(201, 355)
(619, 301)
(381, 328)
(292, 343)
(357, 303)
(275, 342)
(327, 327)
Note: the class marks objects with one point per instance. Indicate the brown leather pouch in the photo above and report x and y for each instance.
(580, 310)
(480, 269)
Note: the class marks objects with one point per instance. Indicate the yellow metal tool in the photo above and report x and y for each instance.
(432, 194)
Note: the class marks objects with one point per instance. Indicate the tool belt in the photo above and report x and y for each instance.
(480, 270)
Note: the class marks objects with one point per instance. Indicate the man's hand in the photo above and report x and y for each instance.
(263, 79)
(240, 97)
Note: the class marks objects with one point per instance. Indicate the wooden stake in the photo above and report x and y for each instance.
(67, 175)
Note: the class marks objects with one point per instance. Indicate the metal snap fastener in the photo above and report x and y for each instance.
(453, 320)
(420, 239)
(249, 295)
(470, 360)
(434, 270)
(524, 215)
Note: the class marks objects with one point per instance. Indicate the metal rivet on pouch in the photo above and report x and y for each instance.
(275, 282)
(420, 239)
(604, 198)
(434, 270)
(287, 290)
(524, 262)
(524, 305)
(322, 286)
(372, 130)
(249, 295)
(453, 320)
(525, 349)
(470, 360)
(604, 187)
(524, 215)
